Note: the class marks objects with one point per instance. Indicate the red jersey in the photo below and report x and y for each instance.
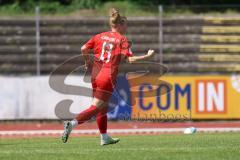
(108, 48)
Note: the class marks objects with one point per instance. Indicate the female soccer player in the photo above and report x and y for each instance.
(109, 48)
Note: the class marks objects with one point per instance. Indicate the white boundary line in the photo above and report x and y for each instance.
(117, 131)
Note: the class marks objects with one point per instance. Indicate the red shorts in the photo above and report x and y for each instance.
(102, 89)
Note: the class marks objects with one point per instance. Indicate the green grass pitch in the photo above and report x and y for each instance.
(211, 146)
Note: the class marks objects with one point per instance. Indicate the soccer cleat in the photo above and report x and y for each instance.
(67, 130)
(109, 140)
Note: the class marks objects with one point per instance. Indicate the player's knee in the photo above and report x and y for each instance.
(99, 103)
(102, 106)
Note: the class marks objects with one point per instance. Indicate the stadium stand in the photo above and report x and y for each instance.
(190, 45)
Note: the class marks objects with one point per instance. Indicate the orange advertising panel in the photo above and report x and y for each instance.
(186, 97)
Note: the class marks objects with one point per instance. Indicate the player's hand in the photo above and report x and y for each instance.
(87, 65)
(150, 53)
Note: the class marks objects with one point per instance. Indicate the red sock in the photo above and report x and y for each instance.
(102, 120)
(87, 114)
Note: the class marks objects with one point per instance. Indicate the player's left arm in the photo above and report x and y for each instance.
(133, 59)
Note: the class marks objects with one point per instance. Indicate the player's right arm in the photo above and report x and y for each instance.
(86, 50)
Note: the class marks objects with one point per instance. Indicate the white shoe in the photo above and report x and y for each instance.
(67, 130)
(109, 140)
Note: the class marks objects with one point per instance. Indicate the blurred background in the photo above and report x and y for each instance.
(197, 41)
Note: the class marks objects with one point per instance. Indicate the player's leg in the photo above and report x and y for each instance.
(102, 121)
(102, 126)
(101, 118)
(87, 114)
(102, 91)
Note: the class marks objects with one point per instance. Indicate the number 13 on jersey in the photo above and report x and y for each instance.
(106, 52)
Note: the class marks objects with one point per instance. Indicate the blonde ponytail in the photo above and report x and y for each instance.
(115, 18)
